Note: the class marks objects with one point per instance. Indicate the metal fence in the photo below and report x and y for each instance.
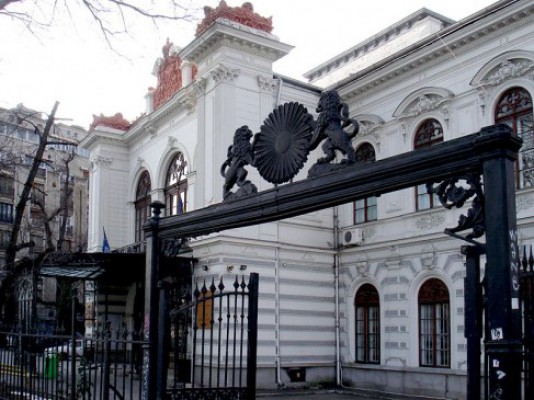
(51, 365)
(526, 277)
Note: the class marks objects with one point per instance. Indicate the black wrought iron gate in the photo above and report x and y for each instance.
(212, 343)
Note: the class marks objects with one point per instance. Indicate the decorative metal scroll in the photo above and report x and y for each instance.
(451, 194)
(284, 142)
(174, 247)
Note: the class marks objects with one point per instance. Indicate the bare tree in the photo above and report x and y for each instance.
(15, 244)
(113, 17)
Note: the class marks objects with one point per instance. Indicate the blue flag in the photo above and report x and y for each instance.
(105, 243)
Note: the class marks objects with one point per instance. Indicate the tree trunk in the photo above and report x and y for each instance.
(13, 247)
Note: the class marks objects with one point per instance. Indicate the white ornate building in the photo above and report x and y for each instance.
(371, 293)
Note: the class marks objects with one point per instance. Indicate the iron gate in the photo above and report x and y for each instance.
(212, 343)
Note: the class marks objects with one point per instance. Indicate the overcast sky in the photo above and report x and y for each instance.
(72, 63)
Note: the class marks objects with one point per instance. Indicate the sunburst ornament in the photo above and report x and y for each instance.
(281, 146)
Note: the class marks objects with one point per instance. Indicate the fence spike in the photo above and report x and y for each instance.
(524, 262)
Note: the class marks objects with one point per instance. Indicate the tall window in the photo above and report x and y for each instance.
(6, 212)
(515, 110)
(367, 325)
(365, 209)
(142, 205)
(428, 133)
(176, 186)
(434, 324)
(6, 186)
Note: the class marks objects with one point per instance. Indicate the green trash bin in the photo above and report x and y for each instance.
(50, 367)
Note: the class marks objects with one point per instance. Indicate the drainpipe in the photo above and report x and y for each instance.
(279, 93)
(336, 286)
(279, 382)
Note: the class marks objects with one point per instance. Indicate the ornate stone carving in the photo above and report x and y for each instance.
(243, 15)
(428, 260)
(151, 130)
(169, 76)
(224, 74)
(362, 267)
(423, 104)
(429, 221)
(195, 90)
(508, 69)
(267, 84)
(116, 122)
(101, 161)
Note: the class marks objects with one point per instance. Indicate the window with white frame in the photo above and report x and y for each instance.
(365, 210)
(434, 324)
(367, 322)
(514, 109)
(429, 132)
(142, 205)
(176, 186)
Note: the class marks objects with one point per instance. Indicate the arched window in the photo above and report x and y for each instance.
(367, 307)
(515, 110)
(176, 186)
(434, 324)
(365, 209)
(429, 132)
(142, 205)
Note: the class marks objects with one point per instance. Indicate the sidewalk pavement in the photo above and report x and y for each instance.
(322, 394)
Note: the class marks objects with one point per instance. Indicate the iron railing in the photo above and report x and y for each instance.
(526, 277)
(51, 365)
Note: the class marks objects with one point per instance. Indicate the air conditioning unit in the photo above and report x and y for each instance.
(352, 237)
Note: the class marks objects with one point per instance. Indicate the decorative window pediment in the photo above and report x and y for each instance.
(423, 101)
(509, 65)
(369, 126)
(369, 123)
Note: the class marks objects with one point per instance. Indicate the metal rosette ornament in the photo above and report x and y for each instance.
(281, 146)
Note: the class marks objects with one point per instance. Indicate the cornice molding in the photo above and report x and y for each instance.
(432, 51)
(233, 35)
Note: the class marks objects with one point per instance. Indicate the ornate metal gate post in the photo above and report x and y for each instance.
(151, 303)
(503, 317)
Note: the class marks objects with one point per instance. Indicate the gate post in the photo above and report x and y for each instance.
(163, 340)
(503, 318)
(252, 341)
(150, 352)
(473, 318)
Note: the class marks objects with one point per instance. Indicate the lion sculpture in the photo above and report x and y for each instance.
(239, 155)
(331, 123)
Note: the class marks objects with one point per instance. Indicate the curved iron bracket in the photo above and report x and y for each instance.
(453, 194)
